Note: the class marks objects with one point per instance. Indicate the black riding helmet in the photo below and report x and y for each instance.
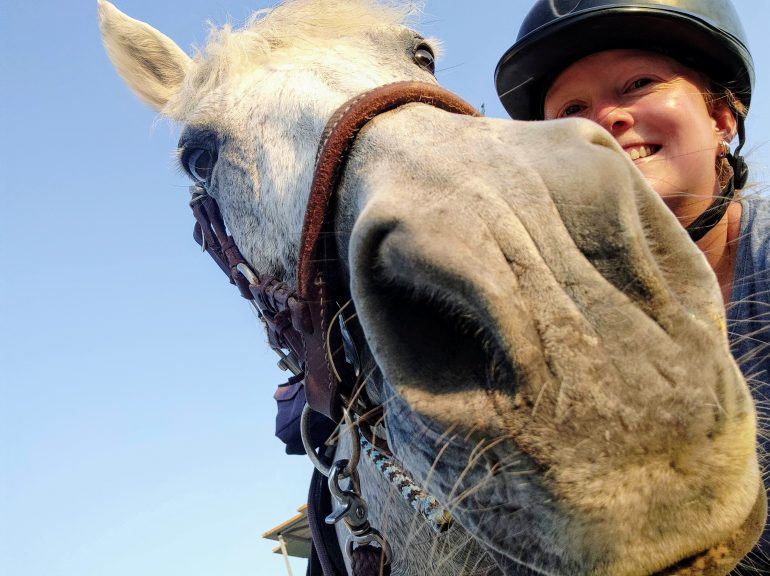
(705, 35)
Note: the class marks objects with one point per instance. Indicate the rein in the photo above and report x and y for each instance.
(300, 324)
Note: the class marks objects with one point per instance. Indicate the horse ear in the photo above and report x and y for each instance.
(150, 62)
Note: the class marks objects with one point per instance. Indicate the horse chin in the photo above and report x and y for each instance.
(722, 558)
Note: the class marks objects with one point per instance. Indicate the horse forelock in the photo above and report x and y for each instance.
(291, 28)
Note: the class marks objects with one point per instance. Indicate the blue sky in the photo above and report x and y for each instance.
(136, 411)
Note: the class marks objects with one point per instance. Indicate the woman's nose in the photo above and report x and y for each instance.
(613, 118)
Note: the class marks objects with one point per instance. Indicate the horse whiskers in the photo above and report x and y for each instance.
(467, 438)
(453, 504)
(749, 565)
(446, 433)
(434, 465)
(444, 559)
(457, 500)
(478, 451)
(539, 562)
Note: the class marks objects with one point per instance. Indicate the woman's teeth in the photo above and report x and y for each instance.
(641, 151)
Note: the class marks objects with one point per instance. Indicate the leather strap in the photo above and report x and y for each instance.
(318, 254)
(337, 140)
(711, 216)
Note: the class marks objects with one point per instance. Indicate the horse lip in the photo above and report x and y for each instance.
(720, 559)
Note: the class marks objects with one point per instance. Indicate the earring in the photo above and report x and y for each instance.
(724, 149)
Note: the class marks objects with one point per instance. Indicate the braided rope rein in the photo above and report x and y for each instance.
(438, 517)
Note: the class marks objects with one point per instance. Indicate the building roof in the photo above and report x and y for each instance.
(295, 532)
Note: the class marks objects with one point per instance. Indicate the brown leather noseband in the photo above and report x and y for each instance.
(299, 321)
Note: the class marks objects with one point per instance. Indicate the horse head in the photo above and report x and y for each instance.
(549, 346)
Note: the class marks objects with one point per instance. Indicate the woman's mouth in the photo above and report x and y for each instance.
(641, 151)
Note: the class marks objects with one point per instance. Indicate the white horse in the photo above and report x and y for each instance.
(549, 345)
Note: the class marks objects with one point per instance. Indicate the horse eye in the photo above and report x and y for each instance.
(200, 164)
(423, 56)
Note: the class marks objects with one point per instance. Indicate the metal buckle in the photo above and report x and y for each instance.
(288, 362)
(352, 508)
(349, 504)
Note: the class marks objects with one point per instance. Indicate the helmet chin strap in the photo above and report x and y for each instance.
(711, 216)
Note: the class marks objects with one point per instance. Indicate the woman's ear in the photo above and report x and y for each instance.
(725, 123)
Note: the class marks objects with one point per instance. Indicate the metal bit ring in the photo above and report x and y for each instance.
(303, 426)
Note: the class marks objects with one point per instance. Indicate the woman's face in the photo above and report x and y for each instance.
(656, 110)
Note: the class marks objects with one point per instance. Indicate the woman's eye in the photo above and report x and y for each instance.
(572, 109)
(640, 83)
(200, 164)
(423, 56)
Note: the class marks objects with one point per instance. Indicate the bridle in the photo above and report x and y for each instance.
(309, 326)
(298, 319)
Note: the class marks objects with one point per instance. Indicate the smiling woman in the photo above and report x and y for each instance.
(656, 110)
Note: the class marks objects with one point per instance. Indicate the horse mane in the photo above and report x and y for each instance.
(293, 25)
